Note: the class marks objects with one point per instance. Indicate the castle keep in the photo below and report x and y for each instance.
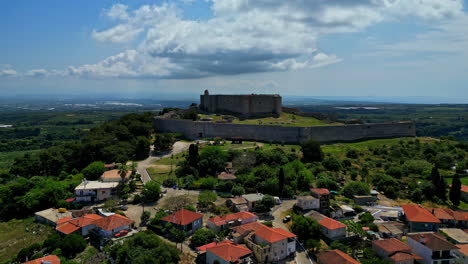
(245, 105)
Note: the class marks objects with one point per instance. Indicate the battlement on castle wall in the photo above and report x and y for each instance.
(294, 135)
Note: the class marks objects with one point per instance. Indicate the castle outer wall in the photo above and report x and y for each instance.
(293, 135)
(254, 104)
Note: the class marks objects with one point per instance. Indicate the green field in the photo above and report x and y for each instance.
(18, 234)
(284, 119)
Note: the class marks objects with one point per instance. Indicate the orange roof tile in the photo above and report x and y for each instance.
(113, 222)
(404, 256)
(464, 188)
(434, 241)
(213, 244)
(463, 248)
(335, 257)
(266, 233)
(221, 220)
(72, 225)
(457, 215)
(441, 214)
(391, 245)
(230, 252)
(182, 217)
(50, 258)
(63, 220)
(320, 191)
(226, 176)
(331, 224)
(415, 213)
(114, 174)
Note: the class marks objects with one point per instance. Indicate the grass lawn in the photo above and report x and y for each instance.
(463, 180)
(18, 234)
(164, 168)
(342, 147)
(285, 119)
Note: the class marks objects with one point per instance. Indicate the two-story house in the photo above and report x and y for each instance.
(267, 244)
(420, 219)
(185, 220)
(308, 202)
(93, 191)
(395, 251)
(323, 195)
(433, 248)
(218, 223)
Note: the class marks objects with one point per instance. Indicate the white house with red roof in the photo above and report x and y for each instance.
(218, 223)
(267, 244)
(111, 225)
(226, 252)
(433, 248)
(395, 251)
(80, 225)
(332, 229)
(335, 257)
(185, 220)
(420, 219)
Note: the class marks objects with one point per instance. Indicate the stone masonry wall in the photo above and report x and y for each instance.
(324, 134)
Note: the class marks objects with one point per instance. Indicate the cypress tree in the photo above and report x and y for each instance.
(455, 190)
(281, 181)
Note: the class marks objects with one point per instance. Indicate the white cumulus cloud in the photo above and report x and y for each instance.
(242, 36)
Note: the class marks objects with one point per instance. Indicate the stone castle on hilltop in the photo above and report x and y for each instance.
(254, 105)
(244, 105)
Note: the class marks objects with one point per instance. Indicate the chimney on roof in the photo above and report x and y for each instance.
(422, 239)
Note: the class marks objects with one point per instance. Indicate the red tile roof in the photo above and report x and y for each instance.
(63, 220)
(71, 225)
(113, 222)
(230, 252)
(182, 217)
(51, 258)
(415, 213)
(331, 224)
(391, 245)
(221, 220)
(441, 214)
(268, 234)
(464, 188)
(463, 248)
(404, 256)
(335, 257)
(320, 191)
(226, 176)
(457, 215)
(434, 241)
(213, 244)
(114, 174)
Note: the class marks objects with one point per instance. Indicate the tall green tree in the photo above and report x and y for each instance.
(281, 181)
(311, 151)
(94, 170)
(151, 191)
(455, 190)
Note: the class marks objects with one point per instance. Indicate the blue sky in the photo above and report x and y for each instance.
(141, 48)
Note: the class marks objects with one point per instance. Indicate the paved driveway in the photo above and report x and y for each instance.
(178, 147)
